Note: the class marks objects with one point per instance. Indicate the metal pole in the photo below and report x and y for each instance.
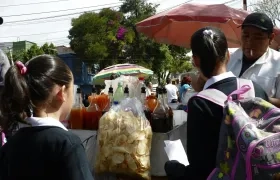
(11, 55)
(245, 5)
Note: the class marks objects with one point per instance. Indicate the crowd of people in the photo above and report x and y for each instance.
(255, 61)
(37, 96)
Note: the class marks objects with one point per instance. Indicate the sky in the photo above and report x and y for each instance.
(22, 17)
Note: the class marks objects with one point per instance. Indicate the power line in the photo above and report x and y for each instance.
(59, 10)
(27, 4)
(54, 39)
(44, 40)
(35, 34)
(231, 1)
(50, 17)
(174, 6)
(38, 22)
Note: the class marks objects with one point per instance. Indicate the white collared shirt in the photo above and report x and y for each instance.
(46, 121)
(265, 71)
(171, 92)
(218, 78)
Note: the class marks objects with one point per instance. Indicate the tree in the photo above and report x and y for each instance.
(100, 37)
(167, 63)
(162, 59)
(135, 11)
(49, 49)
(269, 7)
(33, 51)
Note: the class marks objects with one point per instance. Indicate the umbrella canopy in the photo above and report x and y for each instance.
(176, 26)
(276, 43)
(123, 69)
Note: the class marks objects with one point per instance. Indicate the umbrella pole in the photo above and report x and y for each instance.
(245, 5)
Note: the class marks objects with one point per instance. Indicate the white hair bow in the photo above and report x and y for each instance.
(208, 32)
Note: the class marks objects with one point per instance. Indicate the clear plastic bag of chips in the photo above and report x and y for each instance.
(124, 141)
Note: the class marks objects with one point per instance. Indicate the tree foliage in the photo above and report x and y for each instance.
(162, 59)
(269, 7)
(33, 51)
(100, 37)
(110, 37)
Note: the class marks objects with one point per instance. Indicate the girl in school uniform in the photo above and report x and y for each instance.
(36, 97)
(210, 57)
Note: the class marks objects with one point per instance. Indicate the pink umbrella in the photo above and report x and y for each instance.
(177, 25)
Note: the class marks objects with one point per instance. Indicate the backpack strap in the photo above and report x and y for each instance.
(250, 93)
(3, 139)
(214, 96)
(220, 98)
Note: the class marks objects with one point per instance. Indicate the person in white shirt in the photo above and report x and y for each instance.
(255, 60)
(172, 92)
(149, 88)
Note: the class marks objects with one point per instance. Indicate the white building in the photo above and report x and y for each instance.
(63, 50)
(4, 46)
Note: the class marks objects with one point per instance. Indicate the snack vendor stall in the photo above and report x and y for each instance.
(158, 156)
(129, 138)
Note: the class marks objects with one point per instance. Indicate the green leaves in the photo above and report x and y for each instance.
(93, 36)
(33, 51)
(96, 37)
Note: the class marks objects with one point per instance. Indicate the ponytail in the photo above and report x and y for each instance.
(210, 45)
(15, 99)
(29, 86)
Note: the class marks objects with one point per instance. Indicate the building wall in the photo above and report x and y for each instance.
(19, 46)
(28, 45)
(16, 46)
(64, 50)
(4, 46)
(22, 45)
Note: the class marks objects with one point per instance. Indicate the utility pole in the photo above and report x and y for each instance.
(11, 55)
(245, 5)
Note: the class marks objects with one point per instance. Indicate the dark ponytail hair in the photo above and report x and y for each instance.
(24, 92)
(210, 45)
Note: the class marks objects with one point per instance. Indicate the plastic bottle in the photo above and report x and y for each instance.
(93, 93)
(126, 92)
(138, 88)
(146, 109)
(111, 93)
(119, 94)
(93, 113)
(169, 109)
(160, 122)
(76, 114)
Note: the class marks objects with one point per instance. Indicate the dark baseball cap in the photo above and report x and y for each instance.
(259, 20)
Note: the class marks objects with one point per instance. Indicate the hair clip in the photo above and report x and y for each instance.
(209, 32)
(22, 68)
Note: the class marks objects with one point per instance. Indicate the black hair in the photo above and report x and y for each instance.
(168, 80)
(210, 45)
(24, 92)
(186, 80)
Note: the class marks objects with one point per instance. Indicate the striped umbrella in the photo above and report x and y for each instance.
(123, 69)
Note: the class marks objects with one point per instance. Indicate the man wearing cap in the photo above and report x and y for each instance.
(255, 60)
